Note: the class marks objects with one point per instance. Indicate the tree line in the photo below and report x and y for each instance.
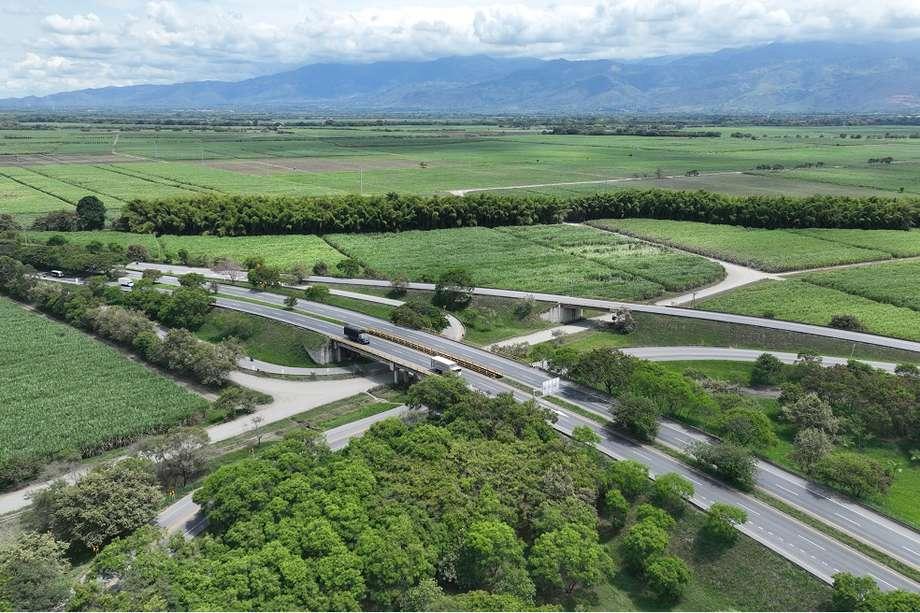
(228, 215)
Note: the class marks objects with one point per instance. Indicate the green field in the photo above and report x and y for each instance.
(59, 163)
(898, 243)
(769, 250)
(794, 300)
(896, 283)
(283, 250)
(672, 270)
(280, 251)
(64, 391)
(494, 258)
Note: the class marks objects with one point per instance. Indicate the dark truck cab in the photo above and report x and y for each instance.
(358, 335)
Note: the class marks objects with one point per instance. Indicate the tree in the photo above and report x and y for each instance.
(609, 369)
(394, 558)
(726, 460)
(810, 411)
(229, 267)
(637, 415)
(722, 521)
(151, 274)
(438, 394)
(419, 315)
(454, 289)
(91, 213)
(667, 578)
(110, 501)
(811, 445)
(178, 455)
(616, 507)
(670, 491)
(399, 285)
(262, 276)
(490, 555)
(8, 223)
(622, 321)
(290, 302)
(299, 271)
(192, 280)
(317, 293)
(855, 473)
(349, 267)
(321, 268)
(767, 371)
(846, 322)
(585, 436)
(137, 253)
(628, 476)
(33, 573)
(852, 593)
(567, 559)
(185, 308)
(746, 426)
(644, 540)
(656, 515)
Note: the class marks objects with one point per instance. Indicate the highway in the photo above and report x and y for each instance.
(760, 322)
(730, 354)
(810, 549)
(185, 515)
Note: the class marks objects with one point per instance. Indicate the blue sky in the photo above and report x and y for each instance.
(57, 45)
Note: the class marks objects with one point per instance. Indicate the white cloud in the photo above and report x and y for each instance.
(133, 41)
(78, 24)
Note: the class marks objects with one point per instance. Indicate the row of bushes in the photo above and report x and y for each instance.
(248, 215)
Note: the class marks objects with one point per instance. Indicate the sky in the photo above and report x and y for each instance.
(60, 45)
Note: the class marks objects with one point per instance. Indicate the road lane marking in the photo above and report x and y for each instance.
(910, 550)
(846, 518)
(787, 489)
(807, 540)
(880, 580)
(749, 509)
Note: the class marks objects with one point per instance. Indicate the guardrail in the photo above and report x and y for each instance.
(478, 368)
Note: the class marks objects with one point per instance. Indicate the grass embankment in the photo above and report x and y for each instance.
(262, 339)
(794, 300)
(743, 577)
(668, 331)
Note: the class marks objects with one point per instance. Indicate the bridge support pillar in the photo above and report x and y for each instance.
(563, 314)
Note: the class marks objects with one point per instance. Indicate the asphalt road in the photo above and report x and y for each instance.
(186, 515)
(760, 322)
(729, 354)
(810, 549)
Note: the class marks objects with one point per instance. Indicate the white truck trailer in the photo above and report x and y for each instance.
(443, 365)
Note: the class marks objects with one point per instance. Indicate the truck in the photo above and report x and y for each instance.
(126, 282)
(442, 365)
(358, 335)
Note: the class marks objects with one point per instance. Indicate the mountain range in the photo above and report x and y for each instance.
(779, 77)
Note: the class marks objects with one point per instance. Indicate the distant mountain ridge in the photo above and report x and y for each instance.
(779, 77)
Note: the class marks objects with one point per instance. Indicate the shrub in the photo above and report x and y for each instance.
(644, 540)
(667, 578)
(628, 476)
(854, 473)
(656, 515)
(671, 491)
(722, 521)
(616, 507)
(767, 371)
(637, 415)
(846, 322)
(730, 462)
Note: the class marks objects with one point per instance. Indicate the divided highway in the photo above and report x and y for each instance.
(810, 549)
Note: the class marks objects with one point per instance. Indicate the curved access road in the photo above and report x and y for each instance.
(728, 354)
(805, 546)
(594, 303)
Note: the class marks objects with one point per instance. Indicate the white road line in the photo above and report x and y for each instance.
(787, 489)
(807, 540)
(880, 580)
(846, 518)
(910, 550)
(748, 509)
